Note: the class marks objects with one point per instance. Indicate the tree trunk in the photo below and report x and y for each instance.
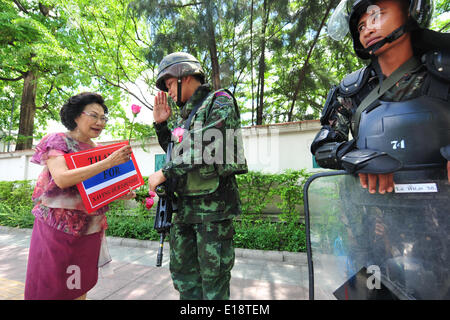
(306, 63)
(27, 112)
(251, 61)
(28, 103)
(262, 66)
(213, 47)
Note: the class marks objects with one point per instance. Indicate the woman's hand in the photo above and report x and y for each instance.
(65, 178)
(161, 109)
(385, 182)
(130, 195)
(119, 156)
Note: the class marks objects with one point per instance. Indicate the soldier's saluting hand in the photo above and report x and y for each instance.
(161, 109)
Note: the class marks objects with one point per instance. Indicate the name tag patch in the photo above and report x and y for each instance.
(416, 188)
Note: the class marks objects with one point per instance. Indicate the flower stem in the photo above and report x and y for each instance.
(131, 130)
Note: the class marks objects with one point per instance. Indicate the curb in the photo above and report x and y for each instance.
(296, 258)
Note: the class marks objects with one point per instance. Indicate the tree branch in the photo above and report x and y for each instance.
(45, 106)
(182, 5)
(97, 73)
(21, 7)
(13, 79)
(137, 33)
(444, 27)
(44, 9)
(306, 63)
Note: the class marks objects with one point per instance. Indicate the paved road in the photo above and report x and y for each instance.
(257, 275)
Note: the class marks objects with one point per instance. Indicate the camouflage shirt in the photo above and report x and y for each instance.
(408, 87)
(217, 112)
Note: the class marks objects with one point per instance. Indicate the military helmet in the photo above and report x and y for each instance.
(177, 65)
(420, 12)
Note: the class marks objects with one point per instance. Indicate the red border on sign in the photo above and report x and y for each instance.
(83, 158)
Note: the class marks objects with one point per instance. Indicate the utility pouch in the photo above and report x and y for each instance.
(201, 181)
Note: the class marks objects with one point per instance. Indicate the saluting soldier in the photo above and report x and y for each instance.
(207, 155)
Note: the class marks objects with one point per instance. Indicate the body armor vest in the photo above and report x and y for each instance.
(411, 131)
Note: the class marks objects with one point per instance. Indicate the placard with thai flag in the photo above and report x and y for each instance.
(108, 185)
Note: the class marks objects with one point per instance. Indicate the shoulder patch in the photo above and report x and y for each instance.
(222, 94)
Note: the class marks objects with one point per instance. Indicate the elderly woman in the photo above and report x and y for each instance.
(66, 243)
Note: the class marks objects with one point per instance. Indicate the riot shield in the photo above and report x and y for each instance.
(378, 246)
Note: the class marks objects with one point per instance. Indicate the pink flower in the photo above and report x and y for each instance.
(149, 203)
(135, 109)
(178, 132)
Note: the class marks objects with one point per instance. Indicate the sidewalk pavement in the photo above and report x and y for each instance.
(256, 275)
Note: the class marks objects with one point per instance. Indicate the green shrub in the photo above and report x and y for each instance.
(262, 234)
(253, 231)
(17, 216)
(135, 223)
(285, 190)
(16, 192)
(16, 204)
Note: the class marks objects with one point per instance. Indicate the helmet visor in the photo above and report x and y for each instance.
(337, 27)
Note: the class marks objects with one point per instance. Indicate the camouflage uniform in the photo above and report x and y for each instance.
(201, 239)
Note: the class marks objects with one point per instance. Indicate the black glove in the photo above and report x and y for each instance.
(329, 155)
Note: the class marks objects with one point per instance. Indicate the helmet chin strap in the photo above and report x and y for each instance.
(397, 33)
(179, 102)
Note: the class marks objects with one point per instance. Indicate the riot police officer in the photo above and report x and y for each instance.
(201, 237)
(390, 34)
(397, 112)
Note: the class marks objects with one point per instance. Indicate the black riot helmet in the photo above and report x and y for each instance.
(420, 12)
(419, 17)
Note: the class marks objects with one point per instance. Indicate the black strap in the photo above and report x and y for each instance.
(397, 33)
(194, 110)
(187, 124)
(173, 182)
(236, 107)
(179, 103)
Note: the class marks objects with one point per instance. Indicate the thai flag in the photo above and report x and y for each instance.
(115, 180)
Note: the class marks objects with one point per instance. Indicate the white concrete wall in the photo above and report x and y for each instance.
(17, 166)
(275, 148)
(268, 148)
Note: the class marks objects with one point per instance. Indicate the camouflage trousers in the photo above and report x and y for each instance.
(201, 259)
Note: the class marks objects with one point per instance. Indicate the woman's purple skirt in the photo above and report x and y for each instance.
(60, 265)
